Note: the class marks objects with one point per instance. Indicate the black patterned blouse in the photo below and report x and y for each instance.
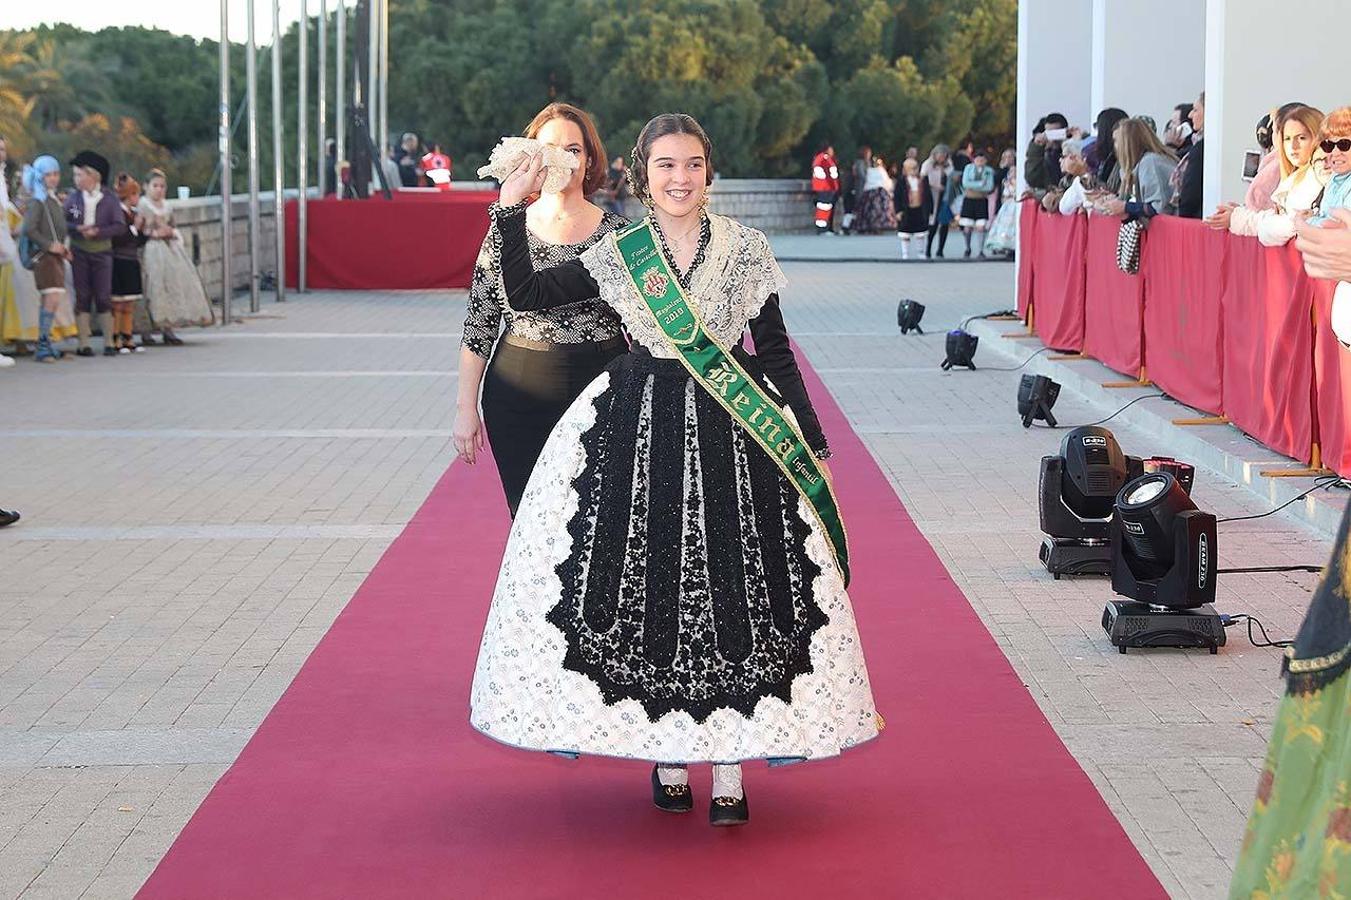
(576, 323)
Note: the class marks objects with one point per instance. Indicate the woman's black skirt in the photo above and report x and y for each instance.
(526, 389)
(126, 278)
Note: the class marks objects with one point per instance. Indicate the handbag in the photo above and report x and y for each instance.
(1128, 244)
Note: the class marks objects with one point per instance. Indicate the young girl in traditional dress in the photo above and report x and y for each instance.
(914, 203)
(542, 360)
(174, 294)
(977, 185)
(673, 588)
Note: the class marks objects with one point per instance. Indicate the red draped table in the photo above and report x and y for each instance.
(417, 241)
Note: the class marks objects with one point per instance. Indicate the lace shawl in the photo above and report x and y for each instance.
(727, 290)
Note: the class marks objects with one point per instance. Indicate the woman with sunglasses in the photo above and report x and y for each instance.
(1336, 143)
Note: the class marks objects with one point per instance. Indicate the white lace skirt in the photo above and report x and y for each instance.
(172, 288)
(685, 669)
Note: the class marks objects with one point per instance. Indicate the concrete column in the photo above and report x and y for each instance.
(1148, 55)
(1250, 71)
(1054, 65)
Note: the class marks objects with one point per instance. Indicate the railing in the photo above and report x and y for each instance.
(1218, 322)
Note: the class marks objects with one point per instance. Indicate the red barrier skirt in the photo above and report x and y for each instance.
(413, 242)
(1114, 302)
(1332, 384)
(1058, 290)
(1184, 272)
(1027, 252)
(1268, 346)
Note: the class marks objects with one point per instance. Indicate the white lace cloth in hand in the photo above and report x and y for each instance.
(510, 152)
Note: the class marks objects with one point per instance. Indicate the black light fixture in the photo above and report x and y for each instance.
(961, 347)
(1077, 498)
(908, 315)
(1163, 559)
(1036, 395)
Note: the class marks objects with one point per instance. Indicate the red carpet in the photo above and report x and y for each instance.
(367, 781)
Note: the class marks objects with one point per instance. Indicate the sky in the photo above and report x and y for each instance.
(199, 18)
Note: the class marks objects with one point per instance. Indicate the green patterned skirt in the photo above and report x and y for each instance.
(1298, 841)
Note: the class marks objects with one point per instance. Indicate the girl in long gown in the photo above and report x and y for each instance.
(542, 360)
(673, 588)
(1298, 839)
(173, 291)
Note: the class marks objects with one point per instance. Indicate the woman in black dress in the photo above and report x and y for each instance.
(542, 360)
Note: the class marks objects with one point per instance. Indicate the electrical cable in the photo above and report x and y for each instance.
(1112, 416)
(1323, 483)
(1256, 569)
(1020, 365)
(1227, 621)
(969, 319)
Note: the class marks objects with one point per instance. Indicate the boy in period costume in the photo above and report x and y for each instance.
(94, 216)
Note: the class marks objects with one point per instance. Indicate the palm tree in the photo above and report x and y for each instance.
(16, 100)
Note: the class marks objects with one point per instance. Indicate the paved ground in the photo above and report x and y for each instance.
(195, 518)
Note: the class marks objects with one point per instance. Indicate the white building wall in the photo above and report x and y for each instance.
(1259, 55)
(1055, 52)
(1148, 55)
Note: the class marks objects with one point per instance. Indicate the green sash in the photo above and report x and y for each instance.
(724, 379)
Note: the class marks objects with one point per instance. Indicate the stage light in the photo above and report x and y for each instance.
(1185, 473)
(961, 347)
(908, 315)
(1163, 559)
(1076, 499)
(1036, 395)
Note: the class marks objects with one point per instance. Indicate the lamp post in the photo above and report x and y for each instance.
(302, 146)
(278, 147)
(223, 140)
(255, 215)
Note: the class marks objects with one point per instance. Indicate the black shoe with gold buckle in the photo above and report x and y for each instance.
(671, 797)
(729, 811)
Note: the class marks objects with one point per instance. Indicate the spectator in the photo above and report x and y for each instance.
(1301, 183)
(876, 210)
(914, 205)
(330, 167)
(392, 171)
(436, 166)
(1177, 134)
(937, 171)
(1008, 162)
(407, 157)
(977, 185)
(964, 155)
(1101, 154)
(1041, 165)
(826, 188)
(94, 215)
(128, 285)
(1072, 194)
(616, 190)
(1268, 173)
(1003, 235)
(1335, 141)
(174, 293)
(45, 224)
(1146, 166)
(858, 177)
(1190, 173)
(9, 255)
(912, 153)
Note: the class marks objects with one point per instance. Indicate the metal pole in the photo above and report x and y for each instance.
(340, 82)
(321, 133)
(303, 146)
(226, 207)
(278, 147)
(384, 67)
(255, 215)
(372, 77)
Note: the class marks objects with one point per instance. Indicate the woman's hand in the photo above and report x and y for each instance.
(526, 180)
(1219, 220)
(468, 434)
(1327, 250)
(1112, 206)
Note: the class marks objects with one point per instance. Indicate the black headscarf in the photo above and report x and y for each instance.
(1104, 146)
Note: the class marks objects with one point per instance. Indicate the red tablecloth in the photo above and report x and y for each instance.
(1058, 290)
(1332, 381)
(1268, 346)
(1027, 245)
(1114, 303)
(413, 242)
(1184, 271)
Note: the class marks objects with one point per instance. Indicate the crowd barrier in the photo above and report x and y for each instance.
(1219, 322)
